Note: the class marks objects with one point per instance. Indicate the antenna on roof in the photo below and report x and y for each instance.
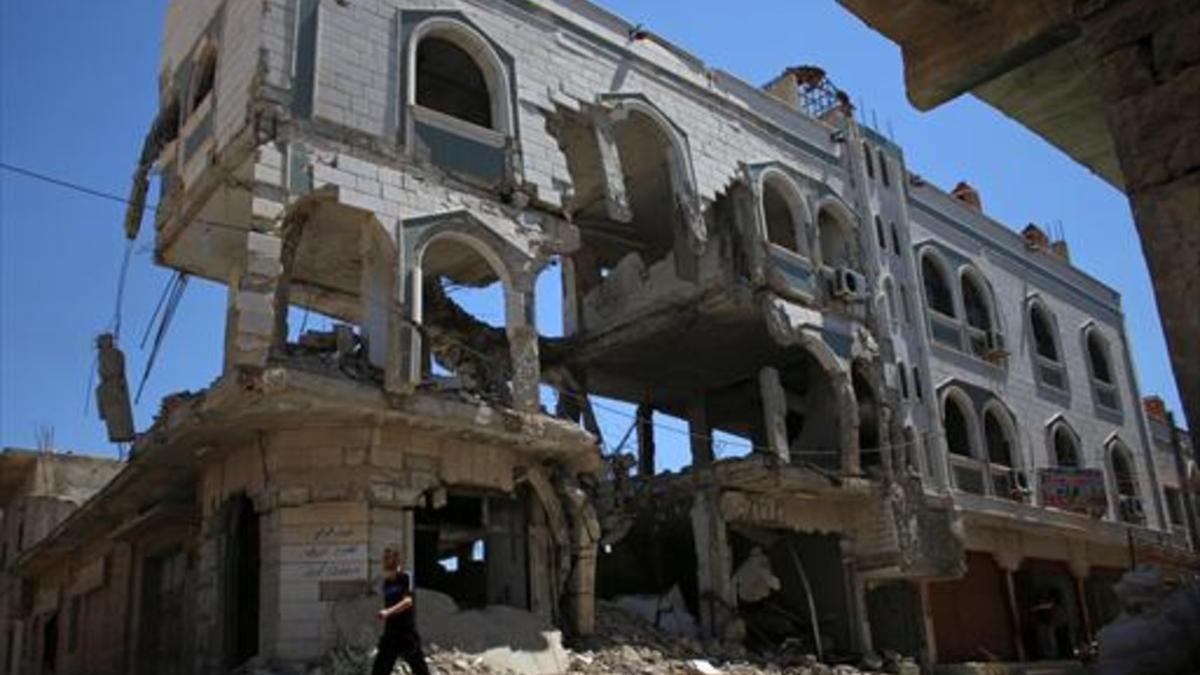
(891, 136)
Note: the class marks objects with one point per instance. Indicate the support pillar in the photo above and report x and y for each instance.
(1079, 572)
(257, 298)
(714, 566)
(523, 345)
(774, 413)
(931, 653)
(700, 432)
(1010, 562)
(1145, 54)
(645, 439)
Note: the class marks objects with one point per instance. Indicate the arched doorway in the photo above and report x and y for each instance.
(242, 576)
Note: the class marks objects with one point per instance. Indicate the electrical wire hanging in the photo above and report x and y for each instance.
(177, 286)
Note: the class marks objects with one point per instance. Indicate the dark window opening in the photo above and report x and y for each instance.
(879, 233)
(868, 420)
(474, 548)
(916, 380)
(1066, 453)
(206, 79)
(837, 241)
(241, 582)
(975, 305)
(883, 170)
(903, 380)
(937, 290)
(1123, 472)
(1043, 334)
(74, 609)
(895, 239)
(451, 82)
(781, 227)
(954, 423)
(50, 644)
(869, 162)
(999, 446)
(1098, 355)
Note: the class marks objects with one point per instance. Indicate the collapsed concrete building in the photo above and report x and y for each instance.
(942, 415)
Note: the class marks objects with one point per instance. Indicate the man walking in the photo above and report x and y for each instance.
(399, 617)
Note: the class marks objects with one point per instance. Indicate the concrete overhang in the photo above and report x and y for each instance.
(1023, 58)
(15, 465)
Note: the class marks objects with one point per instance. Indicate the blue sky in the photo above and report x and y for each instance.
(78, 89)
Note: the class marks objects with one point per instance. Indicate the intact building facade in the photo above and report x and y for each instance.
(938, 409)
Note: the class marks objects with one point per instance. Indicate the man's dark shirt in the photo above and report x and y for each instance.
(395, 589)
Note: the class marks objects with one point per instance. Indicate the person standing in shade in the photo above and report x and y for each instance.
(399, 616)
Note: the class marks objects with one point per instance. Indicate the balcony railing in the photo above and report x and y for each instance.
(1106, 395)
(945, 330)
(1051, 373)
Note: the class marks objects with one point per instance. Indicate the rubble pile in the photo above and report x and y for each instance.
(626, 643)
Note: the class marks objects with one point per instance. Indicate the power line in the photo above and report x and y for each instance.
(83, 189)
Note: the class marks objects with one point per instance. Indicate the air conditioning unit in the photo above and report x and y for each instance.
(849, 285)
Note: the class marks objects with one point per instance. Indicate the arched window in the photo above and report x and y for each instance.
(1123, 472)
(1097, 350)
(883, 169)
(879, 233)
(1043, 333)
(978, 309)
(781, 218)
(954, 424)
(1129, 505)
(1104, 385)
(937, 289)
(450, 81)
(1066, 447)
(838, 248)
(869, 162)
(975, 304)
(996, 435)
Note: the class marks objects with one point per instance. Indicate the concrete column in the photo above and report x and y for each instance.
(523, 345)
(701, 432)
(931, 653)
(714, 566)
(1010, 562)
(848, 431)
(1079, 569)
(1145, 54)
(645, 439)
(257, 298)
(774, 413)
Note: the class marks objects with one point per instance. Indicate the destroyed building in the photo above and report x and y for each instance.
(942, 414)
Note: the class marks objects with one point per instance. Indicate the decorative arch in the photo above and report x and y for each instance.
(1123, 478)
(679, 158)
(979, 302)
(485, 56)
(506, 262)
(935, 280)
(837, 233)
(775, 181)
(1063, 444)
(1043, 331)
(1002, 428)
(962, 440)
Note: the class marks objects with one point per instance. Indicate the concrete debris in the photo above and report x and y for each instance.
(667, 612)
(1156, 631)
(754, 578)
(457, 644)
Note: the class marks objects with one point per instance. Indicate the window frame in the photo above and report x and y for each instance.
(1103, 392)
(1041, 363)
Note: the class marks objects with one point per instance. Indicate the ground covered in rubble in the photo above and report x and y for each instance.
(627, 644)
